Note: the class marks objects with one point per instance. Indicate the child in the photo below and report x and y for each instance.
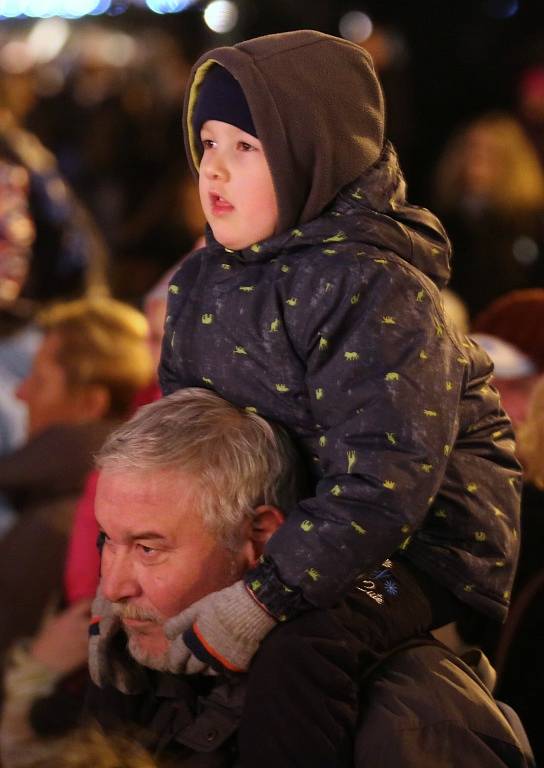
(316, 303)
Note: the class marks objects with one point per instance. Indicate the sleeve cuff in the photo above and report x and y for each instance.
(269, 591)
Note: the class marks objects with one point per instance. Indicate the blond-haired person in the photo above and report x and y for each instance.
(91, 362)
(489, 189)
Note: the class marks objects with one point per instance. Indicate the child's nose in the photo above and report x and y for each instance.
(216, 169)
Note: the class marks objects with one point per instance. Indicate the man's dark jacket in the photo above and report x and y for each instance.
(422, 708)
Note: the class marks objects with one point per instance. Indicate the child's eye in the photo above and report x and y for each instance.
(207, 143)
(245, 147)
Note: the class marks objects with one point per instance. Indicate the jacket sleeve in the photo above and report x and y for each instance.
(166, 374)
(384, 380)
(475, 519)
(187, 275)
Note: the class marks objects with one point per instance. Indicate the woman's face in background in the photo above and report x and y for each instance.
(481, 169)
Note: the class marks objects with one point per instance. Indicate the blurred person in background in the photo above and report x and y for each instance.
(167, 223)
(113, 124)
(50, 249)
(514, 374)
(516, 318)
(456, 310)
(530, 105)
(86, 747)
(46, 679)
(92, 360)
(519, 653)
(489, 188)
(82, 562)
(17, 344)
(68, 255)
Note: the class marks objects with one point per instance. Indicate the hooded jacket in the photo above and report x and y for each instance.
(334, 327)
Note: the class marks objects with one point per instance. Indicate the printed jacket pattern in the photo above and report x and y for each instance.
(336, 330)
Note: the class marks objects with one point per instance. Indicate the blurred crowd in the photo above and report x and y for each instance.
(96, 207)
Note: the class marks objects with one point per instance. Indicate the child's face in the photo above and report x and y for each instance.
(235, 185)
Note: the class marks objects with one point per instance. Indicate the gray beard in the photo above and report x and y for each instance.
(152, 661)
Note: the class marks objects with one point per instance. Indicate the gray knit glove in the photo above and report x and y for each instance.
(220, 632)
(108, 663)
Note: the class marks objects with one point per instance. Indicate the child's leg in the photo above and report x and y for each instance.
(301, 708)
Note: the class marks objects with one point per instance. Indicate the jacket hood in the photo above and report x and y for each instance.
(383, 218)
(318, 136)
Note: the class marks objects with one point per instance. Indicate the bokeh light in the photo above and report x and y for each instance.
(355, 26)
(221, 16)
(525, 250)
(67, 9)
(502, 9)
(15, 56)
(47, 38)
(167, 6)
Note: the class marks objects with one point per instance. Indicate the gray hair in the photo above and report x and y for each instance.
(237, 458)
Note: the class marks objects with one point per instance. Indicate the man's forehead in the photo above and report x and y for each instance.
(145, 484)
(131, 496)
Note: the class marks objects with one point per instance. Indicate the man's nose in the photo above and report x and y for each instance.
(118, 580)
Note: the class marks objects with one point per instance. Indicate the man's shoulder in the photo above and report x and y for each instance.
(426, 708)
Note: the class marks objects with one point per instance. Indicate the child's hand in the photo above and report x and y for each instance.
(220, 632)
(61, 643)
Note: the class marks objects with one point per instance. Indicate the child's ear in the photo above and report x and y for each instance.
(265, 523)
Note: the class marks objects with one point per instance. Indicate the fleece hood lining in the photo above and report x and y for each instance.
(198, 79)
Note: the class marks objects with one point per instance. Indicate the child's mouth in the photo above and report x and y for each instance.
(219, 205)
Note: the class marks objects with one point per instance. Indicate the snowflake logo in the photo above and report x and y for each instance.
(391, 587)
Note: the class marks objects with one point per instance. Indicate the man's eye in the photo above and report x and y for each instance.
(147, 551)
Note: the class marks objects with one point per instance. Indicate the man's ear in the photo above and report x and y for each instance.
(265, 523)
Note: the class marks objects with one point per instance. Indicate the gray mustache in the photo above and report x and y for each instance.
(128, 611)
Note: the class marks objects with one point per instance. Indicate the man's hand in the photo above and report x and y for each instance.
(220, 632)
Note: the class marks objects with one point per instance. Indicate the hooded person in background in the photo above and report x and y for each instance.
(315, 304)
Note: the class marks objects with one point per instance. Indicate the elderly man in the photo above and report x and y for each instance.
(190, 491)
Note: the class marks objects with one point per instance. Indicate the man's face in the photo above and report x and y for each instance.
(49, 398)
(158, 558)
(236, 188)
